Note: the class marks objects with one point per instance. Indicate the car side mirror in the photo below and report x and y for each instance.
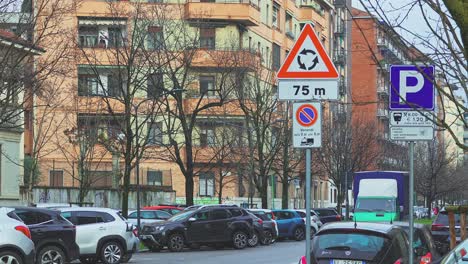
(303, 260)
(192, 219)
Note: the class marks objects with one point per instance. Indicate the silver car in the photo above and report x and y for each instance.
(102, 234)
(14, 235)
(148, 217)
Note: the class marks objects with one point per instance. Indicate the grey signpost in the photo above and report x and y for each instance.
(412, 97)
(307, 74)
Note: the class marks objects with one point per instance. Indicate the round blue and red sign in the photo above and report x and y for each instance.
(306, 115)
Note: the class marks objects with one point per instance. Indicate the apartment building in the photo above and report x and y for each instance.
(250, 31)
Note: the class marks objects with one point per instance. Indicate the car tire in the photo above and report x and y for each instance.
(10, 257)
(267, 238)
(111, 253)
(254, 240)
(176, 242)
(126, 258)
(298, 233)
(239, 240)
(52, 255)
(86, 260)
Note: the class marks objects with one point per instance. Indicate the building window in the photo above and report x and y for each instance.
(155, 84)
(206, 184)
(276, 57)
(100, 178)
(267, 14)
(208, 38)
(56, 178)
(207, 86)
(207, 137)
(88, 84)
(115, 37)
(289, 26)
(154, 178)
(88, 36)
(106, 84)
(102, 126)
(155, 38)
(276, 16)
(155, 135)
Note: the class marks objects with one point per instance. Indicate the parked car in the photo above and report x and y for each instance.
(343, 212)
(441, 233)
(258, 234)
(459, 255)
(270, 216)
(290, 224)
(148, 216)
(270, 229)
(16, 246)
(327, 215)
(102, 234)
(53, 235)
(166, 208)
(209, 225)
(359, 243)
(424, 246)
(314, 220)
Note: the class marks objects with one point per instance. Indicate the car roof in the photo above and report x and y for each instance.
(406, 224)
(90, 209)
(156, 207)
(260, 210)
(35, 209)
(366, 226)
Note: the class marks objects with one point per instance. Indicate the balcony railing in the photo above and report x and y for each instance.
(340, 30)
(339, 58)
(242, 11)
(225, 58)
(382, 113)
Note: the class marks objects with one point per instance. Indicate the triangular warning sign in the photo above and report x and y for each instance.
(307, 59)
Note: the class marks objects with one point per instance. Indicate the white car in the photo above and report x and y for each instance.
(148, 216)
(102, 234)
(459, 255)
(315, 222)
(16, 246)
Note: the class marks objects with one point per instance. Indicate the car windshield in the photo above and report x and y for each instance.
(442, 219)
(362, 244)
(369, 205)
(325, 212)
(181, 216)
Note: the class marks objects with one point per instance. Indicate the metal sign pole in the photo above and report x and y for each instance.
(411, 200)
(308, 207)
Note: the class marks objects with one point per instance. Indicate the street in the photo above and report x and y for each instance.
(287, 252)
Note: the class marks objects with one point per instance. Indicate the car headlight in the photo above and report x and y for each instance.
(160, 228)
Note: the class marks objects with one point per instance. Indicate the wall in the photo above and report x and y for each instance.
(10, 167)
(99, 197)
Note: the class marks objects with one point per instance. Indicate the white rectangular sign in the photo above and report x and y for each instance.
(411, 133)
(307, 125)
(410, 118)
(308, 89)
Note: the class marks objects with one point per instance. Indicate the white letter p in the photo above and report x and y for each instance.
(404, 88)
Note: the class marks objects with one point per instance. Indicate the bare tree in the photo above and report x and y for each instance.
(442, 36)
(347, 146)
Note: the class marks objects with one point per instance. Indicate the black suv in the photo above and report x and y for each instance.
(53, 236)
(327, 215)
(207, 225)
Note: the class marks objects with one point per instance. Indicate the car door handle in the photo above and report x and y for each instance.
(102, 228)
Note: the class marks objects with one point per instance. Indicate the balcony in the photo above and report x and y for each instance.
(342, 86)
(339, 58)
(240, 11)
(382, 90)
(382, 113)
(225, 58)
(340, 30)
(339, 3)
(390, 50)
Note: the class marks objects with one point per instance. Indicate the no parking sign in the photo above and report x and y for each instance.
(307, 125)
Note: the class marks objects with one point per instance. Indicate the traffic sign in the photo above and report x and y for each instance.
(307, 125)
(307, 89)
(307, 59)
(412, 87)
(410, 118)
(401, 133)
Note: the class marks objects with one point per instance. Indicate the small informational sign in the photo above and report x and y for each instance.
(401, 133)
(410, 118)
(307, 125)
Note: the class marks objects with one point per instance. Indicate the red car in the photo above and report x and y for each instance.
(166, 208)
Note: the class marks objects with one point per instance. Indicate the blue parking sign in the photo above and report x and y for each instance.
(412, 87)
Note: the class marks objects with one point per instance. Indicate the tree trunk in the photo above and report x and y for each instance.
(189, 190)
(220, 190)
(429, 206)
(285, 193)
(126, 187)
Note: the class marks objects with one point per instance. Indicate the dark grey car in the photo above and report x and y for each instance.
(441, 234)
(424, 246)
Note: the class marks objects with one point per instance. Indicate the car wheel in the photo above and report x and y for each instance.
(267, 238)
(253, 241)
(299, 233)
(10, 257)
(176, 243)
(51, 255)
(88, 260)
(127, 257)
(111, 253)
(239, 240)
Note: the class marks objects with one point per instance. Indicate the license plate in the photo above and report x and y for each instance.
(342, 261)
